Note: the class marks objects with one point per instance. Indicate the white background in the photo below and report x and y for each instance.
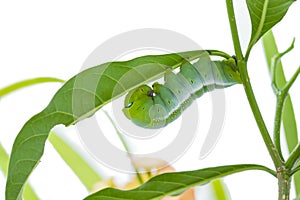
(54, 38)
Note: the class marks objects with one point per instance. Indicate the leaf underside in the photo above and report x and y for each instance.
(172, 183)
(78, 98)
(264, 15)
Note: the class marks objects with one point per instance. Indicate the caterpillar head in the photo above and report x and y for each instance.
(136, 104)
(231, 70)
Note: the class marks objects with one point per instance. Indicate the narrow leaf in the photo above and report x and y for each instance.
(79, 98)
(25, 83)
(172, 183)
(288, 116)
(3, 160)
(264, 15)
(87, 175)
(220, 190)
(29, 193)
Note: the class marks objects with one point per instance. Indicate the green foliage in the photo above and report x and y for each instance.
(288, 116)
(220, 190)
(90, 90)
(79, 98)
(3, 160)
(172, 183)
(264, 15)
(28, 193)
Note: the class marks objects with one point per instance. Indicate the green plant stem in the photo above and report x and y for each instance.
(248, 88)
(277, 124)
(288, 117)
(294, 157)
(289, 84)
(282, 173)
(275, 63)
(284, 186)
(296, 169)
(281, 94)
(218, 53)
(139, 176)
(259, 119)
(234, 31)
(281, 97)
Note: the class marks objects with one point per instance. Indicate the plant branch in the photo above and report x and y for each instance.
(258, 117)
(295, 170)
(234, 31)
(242, 64)
(139, 176)
(281, 95)
(274, 64)
(218, 53)
(277, 124)
(291, 161)
(288, 85)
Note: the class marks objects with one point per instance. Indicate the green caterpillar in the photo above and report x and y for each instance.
(160, 105)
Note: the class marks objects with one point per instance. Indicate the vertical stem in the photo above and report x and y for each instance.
(234, 31)
(284, 185)
(283, 176)
(242, 64)
(258, 117)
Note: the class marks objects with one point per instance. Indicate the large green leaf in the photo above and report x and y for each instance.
(264, 15)
(29, 192)
(172, 183)
(77, 99)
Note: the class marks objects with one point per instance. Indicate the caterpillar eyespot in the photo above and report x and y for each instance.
(129, 105)
(163, 103)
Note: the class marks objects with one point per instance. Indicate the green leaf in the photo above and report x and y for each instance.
(220, 190)
(170, 183)
(4, 158)
(79, 98)
(288, 116)
(87, 175)
(26, 83)
(264, 15)
(28, 193)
